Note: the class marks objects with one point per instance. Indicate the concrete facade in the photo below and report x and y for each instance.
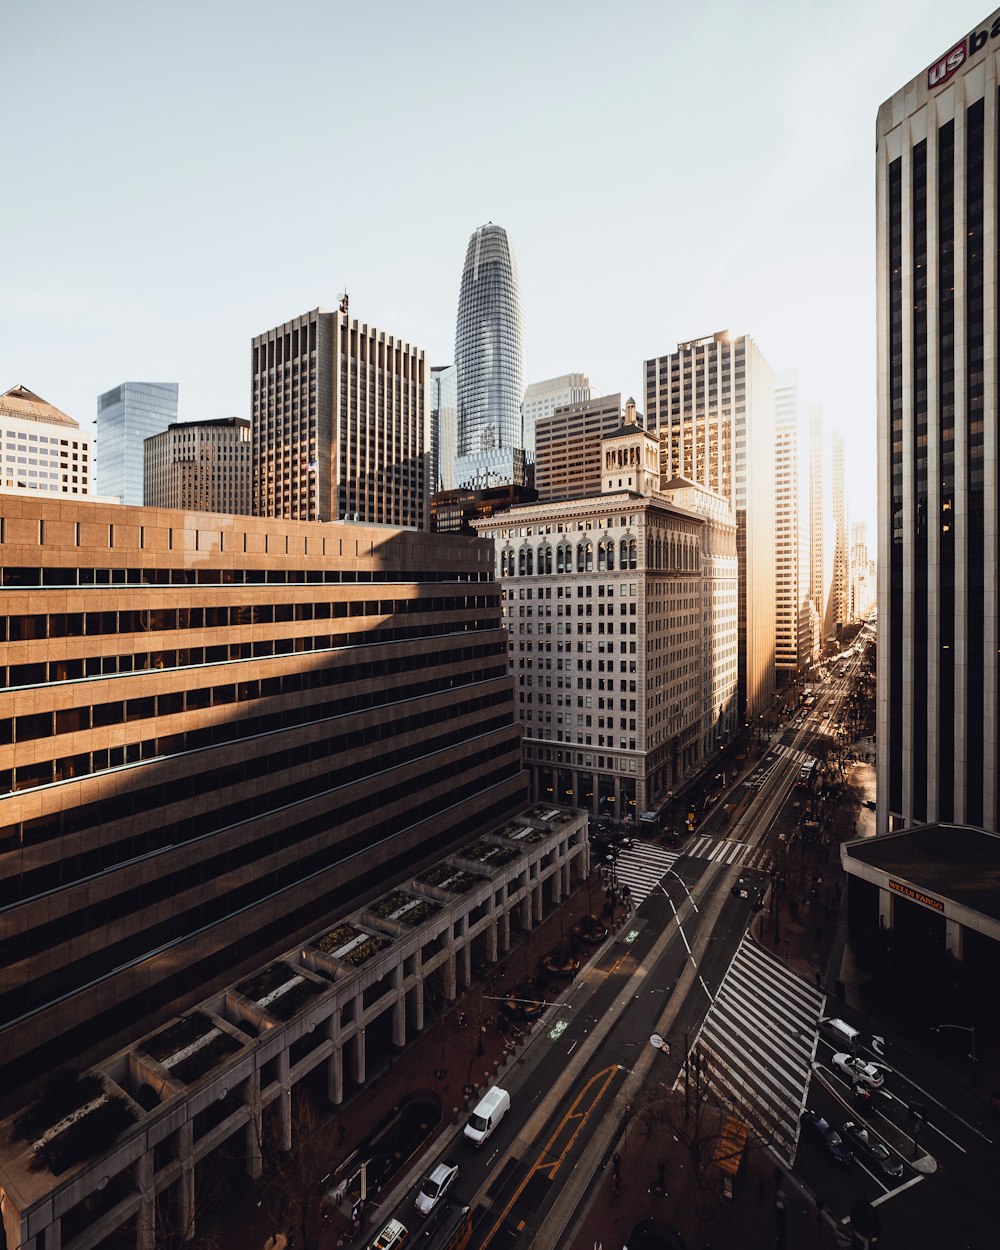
(568, 447)
(368, 974)
(41, 448)
(339, 423)
(605, 601)
(937, 186)
(200, 466)
(217, 732)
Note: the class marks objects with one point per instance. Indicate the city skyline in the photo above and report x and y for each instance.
(791, 255)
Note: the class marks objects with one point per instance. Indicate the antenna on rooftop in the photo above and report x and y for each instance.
(343, 302)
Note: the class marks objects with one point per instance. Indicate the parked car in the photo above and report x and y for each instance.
(435, 1185)
(857, 1071)
(875, 1151)
(824, 1132)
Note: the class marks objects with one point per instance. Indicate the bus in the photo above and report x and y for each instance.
(804, 779)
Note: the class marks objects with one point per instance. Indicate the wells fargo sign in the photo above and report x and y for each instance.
(908, 891)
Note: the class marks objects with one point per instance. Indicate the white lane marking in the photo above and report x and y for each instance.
(915, 1180)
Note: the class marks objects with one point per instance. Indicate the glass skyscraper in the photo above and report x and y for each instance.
(489, 358)
(125, 417)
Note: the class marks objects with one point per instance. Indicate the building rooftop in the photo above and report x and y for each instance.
(25, 404)
(957, 862)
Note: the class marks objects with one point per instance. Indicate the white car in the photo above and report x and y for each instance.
(435, 1185)
(858, 1071)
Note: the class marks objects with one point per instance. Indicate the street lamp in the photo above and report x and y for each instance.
(962, 1028)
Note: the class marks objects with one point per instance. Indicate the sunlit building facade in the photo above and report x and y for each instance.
(711, 404)
(568, 446)
(339, 423)
(41, 448)
(219, 732)
(200, 466)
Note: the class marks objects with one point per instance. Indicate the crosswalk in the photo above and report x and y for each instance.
(756, 1045)
(725, 851)
(792, 753)
(642, 867)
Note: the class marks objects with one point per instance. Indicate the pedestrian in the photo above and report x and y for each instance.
(616, 1163)
(661, 1167)
(616, 1183)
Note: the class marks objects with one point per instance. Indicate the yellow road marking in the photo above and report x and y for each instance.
(604, 1077)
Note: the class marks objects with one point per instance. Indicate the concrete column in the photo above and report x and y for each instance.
(185, 1186)
(284, 1101)
(538, 904)
(448, 971)
(466, 953)
(255, 1126)
(399, 1008)
(491, 942)
(145, 1232)
(526, 924)
(53, 1234)
(335, 1064)
(505, 931)
(335, 1074)
(885, 905)
(359, 1056)
(416, 997)
(954, 937)
(555, 887)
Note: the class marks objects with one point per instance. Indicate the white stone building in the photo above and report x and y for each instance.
(622, 614)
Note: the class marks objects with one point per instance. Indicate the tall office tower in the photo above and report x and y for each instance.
(711, 403)
(938, 643)
(200, 466)
(792, 628)
(605, 602)
(568, 446)
(819, 577)
(240, 727)
(489, 357)
(126, 417)
(541, 399)
(443, 409)
(339, 423)
(41, 448)
(719, 610)
(840, 590)
(863, 581)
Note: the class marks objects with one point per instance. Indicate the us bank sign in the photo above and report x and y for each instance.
(949, 64)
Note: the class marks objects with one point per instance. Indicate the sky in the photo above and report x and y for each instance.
(183, 176)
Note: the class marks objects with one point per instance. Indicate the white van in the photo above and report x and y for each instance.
(840, 1033)
(393, 1237)
(492, 1108)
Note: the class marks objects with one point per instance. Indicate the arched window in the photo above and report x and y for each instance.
(544, 559)
(633, 554)
(602, 556)
(611, 555)
(525, 562)
(507, 562)
(588, 557)
(623, 554)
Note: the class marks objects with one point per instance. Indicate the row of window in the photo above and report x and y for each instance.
(42, 672)
(333, 897)
(20, 576)
(157, 620)
(398, 743)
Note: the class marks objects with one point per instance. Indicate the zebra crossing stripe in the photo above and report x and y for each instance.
(759, 1038)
